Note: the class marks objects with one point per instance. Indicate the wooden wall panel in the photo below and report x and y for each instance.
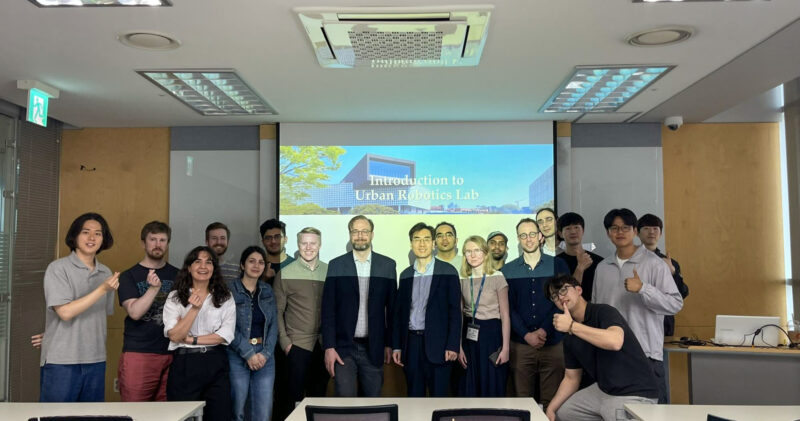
(723, 223)
(125, 179)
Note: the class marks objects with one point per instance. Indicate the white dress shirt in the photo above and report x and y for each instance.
(210, 319)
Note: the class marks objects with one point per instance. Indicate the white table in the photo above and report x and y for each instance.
(421, 409)
(139, 411)
(699, 412)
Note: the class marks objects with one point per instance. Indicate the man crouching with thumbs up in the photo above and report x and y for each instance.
(600, 342)
(639, 285)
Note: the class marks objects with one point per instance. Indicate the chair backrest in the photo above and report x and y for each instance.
(481, 414)
(716, 418)
(352, 413)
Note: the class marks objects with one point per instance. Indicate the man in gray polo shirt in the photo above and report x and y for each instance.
(79, 293)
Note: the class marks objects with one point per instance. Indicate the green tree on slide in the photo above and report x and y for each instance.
(305, 167)
(373, 209)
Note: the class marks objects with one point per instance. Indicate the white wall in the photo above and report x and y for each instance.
(220, 186)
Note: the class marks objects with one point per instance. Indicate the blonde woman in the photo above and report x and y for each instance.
(485, 340)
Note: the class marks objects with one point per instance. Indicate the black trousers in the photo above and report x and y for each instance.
(202, 376)
(307, 376)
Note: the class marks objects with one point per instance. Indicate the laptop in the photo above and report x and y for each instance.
(738, 330)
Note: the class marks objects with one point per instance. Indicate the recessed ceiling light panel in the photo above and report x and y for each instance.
(210, 92)
(602, 89)
(658, 37)
(98, 3)
(686, 1)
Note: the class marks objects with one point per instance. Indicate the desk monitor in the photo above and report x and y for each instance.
(738, 330)
(352, 413)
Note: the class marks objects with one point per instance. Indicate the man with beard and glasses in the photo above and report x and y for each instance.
(498, 247)
(217, 237)
(357, 308)
(273, 236)
(537, 359)
(145, 360)
(446, 240)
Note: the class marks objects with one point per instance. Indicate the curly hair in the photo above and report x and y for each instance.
(216, 285)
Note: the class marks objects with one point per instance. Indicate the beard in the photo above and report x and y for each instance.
(155, 254)
(361, 246)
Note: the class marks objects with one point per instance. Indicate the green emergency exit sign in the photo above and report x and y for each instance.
(37, 107)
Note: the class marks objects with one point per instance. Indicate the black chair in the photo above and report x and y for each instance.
(352, 413)
(715, 418)
(481, 414)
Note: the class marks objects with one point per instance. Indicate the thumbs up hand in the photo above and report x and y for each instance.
(633, 284)
(562, 322)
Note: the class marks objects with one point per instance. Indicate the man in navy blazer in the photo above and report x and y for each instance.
(357, 305)
(427, 322)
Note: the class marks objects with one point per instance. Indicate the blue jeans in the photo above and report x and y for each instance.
(255, 385)
(73, 382)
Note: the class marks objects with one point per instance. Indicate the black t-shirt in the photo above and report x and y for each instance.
(588, 274)
(626, 372)
(147, 333)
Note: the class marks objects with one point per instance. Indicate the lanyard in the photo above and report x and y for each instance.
(471, 297)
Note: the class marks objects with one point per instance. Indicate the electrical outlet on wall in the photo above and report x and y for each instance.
(116, 384)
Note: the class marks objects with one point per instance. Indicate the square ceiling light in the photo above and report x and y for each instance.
(77, 3)
(602, 89)
(210, 92)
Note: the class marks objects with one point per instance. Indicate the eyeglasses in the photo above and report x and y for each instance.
(357, 233)
(619, 228)
(560, 293)
(525, 236)
(276, 237)
(473, 252)
(446, 234)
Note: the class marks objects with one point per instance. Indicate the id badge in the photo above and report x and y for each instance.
(472, 331)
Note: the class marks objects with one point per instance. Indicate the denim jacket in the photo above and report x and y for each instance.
(244, 316)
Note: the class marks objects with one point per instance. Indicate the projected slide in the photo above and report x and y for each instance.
(479, 188)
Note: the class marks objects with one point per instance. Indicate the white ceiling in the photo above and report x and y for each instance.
(532, 46)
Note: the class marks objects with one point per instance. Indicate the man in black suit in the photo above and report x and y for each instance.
(357, 305)
(427, 321)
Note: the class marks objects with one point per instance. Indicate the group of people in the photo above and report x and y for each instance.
(581, 334)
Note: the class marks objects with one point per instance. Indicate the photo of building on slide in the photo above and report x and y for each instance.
(407, 180)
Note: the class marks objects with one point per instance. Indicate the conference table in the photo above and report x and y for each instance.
(421, 409)
(644, 412)
(139, 411)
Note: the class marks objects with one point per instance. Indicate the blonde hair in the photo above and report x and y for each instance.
(488, 267)
(310, 230)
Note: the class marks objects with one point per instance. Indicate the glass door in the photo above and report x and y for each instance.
(8, 171)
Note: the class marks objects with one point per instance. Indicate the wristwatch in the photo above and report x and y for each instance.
(194, 340)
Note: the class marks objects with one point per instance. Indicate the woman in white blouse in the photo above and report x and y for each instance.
(200, 317)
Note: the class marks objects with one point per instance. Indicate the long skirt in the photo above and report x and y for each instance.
(482, 378)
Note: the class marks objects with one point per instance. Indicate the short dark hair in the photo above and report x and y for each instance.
(419, 226)
(650, 220)
(570, 218)
(156, 227)
(216, 226)
(361, 217)
(627, 216)
(453, 227)
(524, 220)
(272, 224)
(554, 284)
(77, 225)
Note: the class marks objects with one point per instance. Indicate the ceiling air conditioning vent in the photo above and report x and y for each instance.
(387, 37)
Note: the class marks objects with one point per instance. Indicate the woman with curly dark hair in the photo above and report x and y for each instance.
(200, 317)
